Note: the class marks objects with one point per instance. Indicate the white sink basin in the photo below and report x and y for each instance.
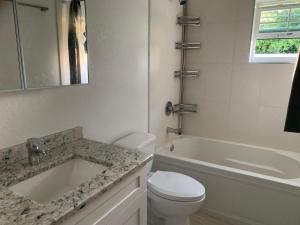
(53, 183)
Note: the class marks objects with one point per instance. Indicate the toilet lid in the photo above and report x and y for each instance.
(176, 187)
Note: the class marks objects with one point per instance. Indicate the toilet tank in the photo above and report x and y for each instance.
(143, 142)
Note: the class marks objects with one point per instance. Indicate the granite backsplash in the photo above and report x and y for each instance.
(19, 152)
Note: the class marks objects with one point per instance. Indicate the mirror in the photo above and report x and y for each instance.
(10, 74)
(39, 41)
(49, 38)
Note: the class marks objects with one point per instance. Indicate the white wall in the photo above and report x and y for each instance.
(237, 101)
(164, 60)
(113, 104)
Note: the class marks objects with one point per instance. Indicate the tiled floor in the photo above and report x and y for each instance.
(204, 219)
(197, 219)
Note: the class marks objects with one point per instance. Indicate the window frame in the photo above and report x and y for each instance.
(271, 58)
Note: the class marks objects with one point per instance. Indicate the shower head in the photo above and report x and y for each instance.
(182, 2)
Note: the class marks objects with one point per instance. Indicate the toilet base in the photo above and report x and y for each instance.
(177, 221)
(155, 218)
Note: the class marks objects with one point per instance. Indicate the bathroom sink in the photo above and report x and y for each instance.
(53, 183)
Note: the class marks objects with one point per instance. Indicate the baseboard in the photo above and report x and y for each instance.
(236, 220)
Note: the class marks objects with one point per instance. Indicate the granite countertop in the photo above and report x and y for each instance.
(17, 210)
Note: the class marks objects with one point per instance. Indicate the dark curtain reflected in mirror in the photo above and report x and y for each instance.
(73, 42)
(292, 123)
(77, 43)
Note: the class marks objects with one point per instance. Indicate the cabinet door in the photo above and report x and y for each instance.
(133, 214)
(126, 202)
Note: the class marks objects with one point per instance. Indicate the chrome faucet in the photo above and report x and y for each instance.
(35, 148)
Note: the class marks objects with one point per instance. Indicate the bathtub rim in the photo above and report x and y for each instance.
(295, 155)
(291, 186)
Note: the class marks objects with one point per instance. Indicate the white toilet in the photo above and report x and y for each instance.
(172, 197)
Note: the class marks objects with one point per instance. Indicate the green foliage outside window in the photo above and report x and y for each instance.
(277, 46)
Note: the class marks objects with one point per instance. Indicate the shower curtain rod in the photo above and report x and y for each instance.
(42, 8)
(71, 0)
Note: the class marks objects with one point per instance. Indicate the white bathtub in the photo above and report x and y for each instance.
(245, 184)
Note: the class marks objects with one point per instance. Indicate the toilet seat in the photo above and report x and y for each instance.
(176, 187)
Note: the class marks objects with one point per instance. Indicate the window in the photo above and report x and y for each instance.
(276, 31)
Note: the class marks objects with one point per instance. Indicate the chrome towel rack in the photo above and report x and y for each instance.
(187, 20)
(181, 108)
(187, 45)
(187, 74)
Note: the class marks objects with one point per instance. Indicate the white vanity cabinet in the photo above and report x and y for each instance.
(123, 204)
